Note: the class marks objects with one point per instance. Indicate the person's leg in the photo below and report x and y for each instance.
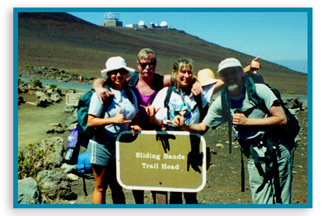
(191, 198)
(176, 198)
(117, 193)
(138, 196)
(285, 174)
(101, 184)
(262, 190)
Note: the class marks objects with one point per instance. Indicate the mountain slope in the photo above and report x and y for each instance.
(66, 42)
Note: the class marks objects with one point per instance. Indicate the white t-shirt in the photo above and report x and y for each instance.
(179, 103)
(120, 101)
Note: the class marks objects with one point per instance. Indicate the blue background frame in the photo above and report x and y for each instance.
(309, 12)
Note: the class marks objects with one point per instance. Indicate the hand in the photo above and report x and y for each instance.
(103, 94)
(196, 89)
(135, 128)
(255, 65)
(178, 121)
(150, 110)
(120, 118)
(239, 119)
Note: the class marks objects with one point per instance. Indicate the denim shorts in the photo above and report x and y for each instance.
(101, 154)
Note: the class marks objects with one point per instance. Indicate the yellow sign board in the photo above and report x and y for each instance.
(73, 98)
(161, 160)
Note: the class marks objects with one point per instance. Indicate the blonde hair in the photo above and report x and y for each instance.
(146, 53)
(178, 64)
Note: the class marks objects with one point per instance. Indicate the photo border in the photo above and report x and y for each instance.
(307, 10)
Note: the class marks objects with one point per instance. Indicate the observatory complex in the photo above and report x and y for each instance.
(112, 20)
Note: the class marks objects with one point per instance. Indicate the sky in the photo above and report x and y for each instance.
(278, 36)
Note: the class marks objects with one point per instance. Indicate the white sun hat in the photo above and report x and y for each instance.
(206, 77)
(228, 63)
(115, 63)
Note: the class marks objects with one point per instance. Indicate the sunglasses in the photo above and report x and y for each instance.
(150, 64)
(121, 72)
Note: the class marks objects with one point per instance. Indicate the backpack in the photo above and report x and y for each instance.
(287, 132)
(81, 135)
(85, 132)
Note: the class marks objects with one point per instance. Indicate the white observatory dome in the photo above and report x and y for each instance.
(164, 24)
(141, 23)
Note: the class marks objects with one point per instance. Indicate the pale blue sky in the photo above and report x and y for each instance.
(277, 35)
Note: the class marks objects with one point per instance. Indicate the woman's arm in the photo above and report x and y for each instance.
(94, 121)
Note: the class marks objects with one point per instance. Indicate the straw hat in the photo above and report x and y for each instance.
(206, 77)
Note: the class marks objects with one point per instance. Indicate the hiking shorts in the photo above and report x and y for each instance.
(101, 154)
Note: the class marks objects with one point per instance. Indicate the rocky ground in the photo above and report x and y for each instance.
(223, 177)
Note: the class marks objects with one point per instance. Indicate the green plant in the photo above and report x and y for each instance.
(64, 76)
(56, 72)
(28, 66)
(38, 83)
(290, 92)
(32, 159)
(53, 86)
(39, 71)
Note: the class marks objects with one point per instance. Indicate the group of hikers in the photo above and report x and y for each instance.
(146, 100)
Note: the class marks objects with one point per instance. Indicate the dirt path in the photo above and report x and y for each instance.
(33, 121)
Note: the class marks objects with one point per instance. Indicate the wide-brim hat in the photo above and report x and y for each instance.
(228, 63)
(115, 63)
(206, 77)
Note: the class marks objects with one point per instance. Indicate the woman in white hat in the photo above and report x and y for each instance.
(109, 119)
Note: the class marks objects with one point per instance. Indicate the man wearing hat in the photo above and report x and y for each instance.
(251, 127)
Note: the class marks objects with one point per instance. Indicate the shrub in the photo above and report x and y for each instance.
(64, 76)
(28, 66)
(290, 92)
(53, 86)
(56, 72)
(38, 83)
(32, 160)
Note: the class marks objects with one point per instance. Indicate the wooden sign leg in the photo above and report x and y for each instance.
(160, 197)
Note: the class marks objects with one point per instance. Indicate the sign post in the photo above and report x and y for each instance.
(161, 161)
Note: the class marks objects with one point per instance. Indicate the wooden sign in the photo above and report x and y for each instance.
(161, 160)
(73, 98)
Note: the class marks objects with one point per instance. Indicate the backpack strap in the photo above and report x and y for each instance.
(202, 111)
(133, 80)
(254, 97)
(167, 98)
